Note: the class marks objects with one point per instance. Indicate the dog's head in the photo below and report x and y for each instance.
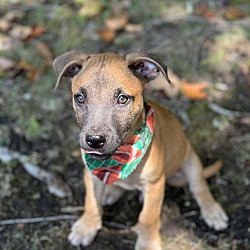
(107, 95)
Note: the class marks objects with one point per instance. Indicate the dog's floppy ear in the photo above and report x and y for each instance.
(69, 64)
(146, 66)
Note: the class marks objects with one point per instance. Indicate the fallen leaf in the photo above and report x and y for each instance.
(133, 28)
(4, 25)
(6, 63)
(205, 12)
(91, 8)
(36, 32)
(76, 153)
(233, 13)
(25, 65)
(106, 35)
(7, 43)
(33, 72)
(43, 49)
(116, 23)
(20, 32)
(14, 15)
(194, 91)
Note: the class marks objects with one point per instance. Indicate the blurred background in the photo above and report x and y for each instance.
(205, 44)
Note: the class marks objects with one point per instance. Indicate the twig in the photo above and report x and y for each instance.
(191, 213)
(72, 209)
(37, 219)
(116, 225)
(55, 184)
(218, 22)
(222, 111)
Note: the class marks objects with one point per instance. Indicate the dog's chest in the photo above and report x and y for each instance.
(133, 182)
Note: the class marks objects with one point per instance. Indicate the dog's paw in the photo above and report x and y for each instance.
(83, 234)
(147, 240)
(215, 217)
(148, 245)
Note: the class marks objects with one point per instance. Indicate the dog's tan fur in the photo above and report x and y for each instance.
(169, 152)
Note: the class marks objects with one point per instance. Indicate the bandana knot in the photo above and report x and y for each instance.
(127, 157)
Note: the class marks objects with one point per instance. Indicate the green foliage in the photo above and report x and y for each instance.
(34, 127)
(213, 60)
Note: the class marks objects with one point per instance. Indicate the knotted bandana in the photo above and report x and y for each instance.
(127, 157)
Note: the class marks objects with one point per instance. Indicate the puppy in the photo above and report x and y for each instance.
(130, 143)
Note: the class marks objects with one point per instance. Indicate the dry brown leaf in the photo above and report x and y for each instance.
(6, 63)
(205, 12)
(33, 73)
(194, 91)
(133, 28)
(116, 23)
(76, 153)
(4, 25)
(106, 35)
(91, 8)
(7, 42)
(45, 52)
(20, 32)
(36, 32)
(233, 13)
(25, 65)
(14, 15)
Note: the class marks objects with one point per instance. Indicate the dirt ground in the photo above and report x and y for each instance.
(41, 187)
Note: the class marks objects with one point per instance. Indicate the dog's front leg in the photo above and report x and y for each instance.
(148, 226)
(86, 227)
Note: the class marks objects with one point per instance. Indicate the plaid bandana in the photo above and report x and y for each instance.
(127, 157)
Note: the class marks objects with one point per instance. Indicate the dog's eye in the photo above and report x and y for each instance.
(80, 99)
(123, 99)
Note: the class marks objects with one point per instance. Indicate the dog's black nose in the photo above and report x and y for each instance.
(95, 141)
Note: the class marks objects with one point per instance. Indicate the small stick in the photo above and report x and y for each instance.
(72, 209)
(117, 225)
(37, 219)
(222, 111)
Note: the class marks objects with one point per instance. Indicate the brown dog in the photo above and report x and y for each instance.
(119, 128)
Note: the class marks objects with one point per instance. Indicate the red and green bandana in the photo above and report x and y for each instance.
(127, 157)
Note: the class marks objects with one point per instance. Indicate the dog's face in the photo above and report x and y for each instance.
(107, 96)
(107, 99)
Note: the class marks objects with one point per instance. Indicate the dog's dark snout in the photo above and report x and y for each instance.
(95, 141)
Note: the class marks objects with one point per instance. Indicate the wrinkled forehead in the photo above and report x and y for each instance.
(106, 71)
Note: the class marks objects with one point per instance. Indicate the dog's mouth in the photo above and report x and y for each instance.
(96, 155)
